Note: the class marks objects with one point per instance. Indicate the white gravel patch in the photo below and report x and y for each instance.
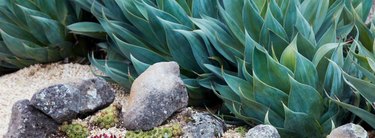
(24, 83)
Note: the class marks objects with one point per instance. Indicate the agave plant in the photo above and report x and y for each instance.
(34, 31)
(289, 58)
(143, 32)
(362, 55)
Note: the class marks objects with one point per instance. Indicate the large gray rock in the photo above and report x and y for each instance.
(64, 102)
(203, 125)
(263, 131)
(348, 131)
(28, 122)
(154, 96)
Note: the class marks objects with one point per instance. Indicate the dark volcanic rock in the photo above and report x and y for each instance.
(59, 102)
(28, 122)
(95, 94)
(64, 102)
(155, 95)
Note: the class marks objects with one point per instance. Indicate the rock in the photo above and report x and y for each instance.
(203, 125)
(348, 131)
(95, 94)
(263, 131)
(59, 102)
(154, 96)
(26, 121)
(64, 102)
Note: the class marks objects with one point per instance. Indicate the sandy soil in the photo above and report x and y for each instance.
(24, 83)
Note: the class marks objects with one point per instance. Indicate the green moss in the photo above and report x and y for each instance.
(107, 117)
(242, 130)
(174, 130)
(75, 130)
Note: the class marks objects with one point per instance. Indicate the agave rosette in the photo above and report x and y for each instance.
(143, 32)
(33, 31)
(362, 56)
(289, 57)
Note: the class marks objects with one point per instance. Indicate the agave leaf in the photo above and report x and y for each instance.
(334, 82)
(246, 73)
(323, 51)
(289, 55)
(363, 114)
(253, 22)
(52, 30)
(204, 8)
(269, 95)
(136, 18)
(304, 28)
(143, 54)
(276, 11)
(271, 24)
(305, 72)
(90, 29)
(302, 124)
(178, 45)
(34, 26)
(232, 23)
(16, 31)
(267, 69)
(124, 79)
(313, 11)
(364, 9)
(215, 31)
(173, 7)
(185, 5)
(290, 16)
(251, 105)
(198, 48)
(305, 47)
(329, 36)
(304, 98)
(125, 33)
(250, 44)
(364, 88)
(38, 53)
(139, 66)
(277, 45)
(16, 46)
(237, 84)
(366, 37)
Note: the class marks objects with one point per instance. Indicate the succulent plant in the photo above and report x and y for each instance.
(142, 32)
(288, 58)
(34, 31)
(174, 130)
(75, 130)
(107, 117)
(362, 56)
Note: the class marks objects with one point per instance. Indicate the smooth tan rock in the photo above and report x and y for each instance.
(348, 131)
(263, 131)
(154, 96)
